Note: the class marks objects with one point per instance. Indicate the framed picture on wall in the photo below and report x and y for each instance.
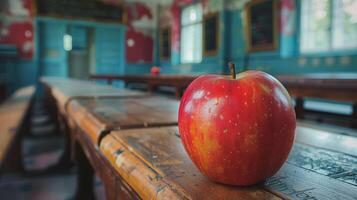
(262, 25)
(165, 43)
(210, 34)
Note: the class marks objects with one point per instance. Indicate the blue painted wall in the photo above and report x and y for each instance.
(51, 59)
(17, 73)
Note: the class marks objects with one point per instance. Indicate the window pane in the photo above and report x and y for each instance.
(344, 30)
(191, 14)
(191, 43)
(315, 25)
(191, 34)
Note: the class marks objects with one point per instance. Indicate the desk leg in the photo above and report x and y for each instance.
(13, 162)
(85, 176)
(179, 92)
(299, 108)
(152, 88)
(354, 115)
(65, 162)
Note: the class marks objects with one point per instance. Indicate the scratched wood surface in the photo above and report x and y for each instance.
(98, 116)
(12, 112)
(66, 89)
(153, 162)
(104, 170)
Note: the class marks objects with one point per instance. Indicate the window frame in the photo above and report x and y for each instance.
(330, 51)
(187, 25)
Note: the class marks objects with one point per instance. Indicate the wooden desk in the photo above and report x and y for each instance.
(338, 87)
(179, 82)
(59, 92)
(132, 145)
(153, 164)
(13, 119)
(65, 89)
(97, 117)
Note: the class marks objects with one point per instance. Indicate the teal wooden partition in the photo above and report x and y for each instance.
(52, 58)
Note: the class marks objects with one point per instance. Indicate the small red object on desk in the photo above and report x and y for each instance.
(155, 70)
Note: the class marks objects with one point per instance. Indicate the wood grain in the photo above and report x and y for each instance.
(140, 154)
(99, 116)
(157, 154)
(154, 163)
(66, 89)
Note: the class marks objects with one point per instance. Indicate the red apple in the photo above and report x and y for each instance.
(239, 130)
(155, 71)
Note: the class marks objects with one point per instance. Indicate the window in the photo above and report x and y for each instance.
(328, 25)
(191, 34)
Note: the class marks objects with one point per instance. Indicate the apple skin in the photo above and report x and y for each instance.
(237, 131)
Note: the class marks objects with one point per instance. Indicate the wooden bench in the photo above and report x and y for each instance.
(133, 144)
(14, 113)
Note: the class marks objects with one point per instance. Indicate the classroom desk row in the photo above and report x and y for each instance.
(131, 140)
(178, 82)
(340, 87)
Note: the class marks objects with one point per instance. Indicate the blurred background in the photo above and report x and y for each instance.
(80, 38)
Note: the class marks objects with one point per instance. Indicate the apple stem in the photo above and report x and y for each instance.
(232, 69)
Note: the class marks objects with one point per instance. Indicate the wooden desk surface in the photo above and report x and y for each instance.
(144, 77)
(99, 115)
(66, 89)
(153, 163)
(12, 112)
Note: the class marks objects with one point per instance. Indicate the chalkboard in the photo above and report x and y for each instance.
(165, 41)
(261, 26)
(210, 34)
(80, 9)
